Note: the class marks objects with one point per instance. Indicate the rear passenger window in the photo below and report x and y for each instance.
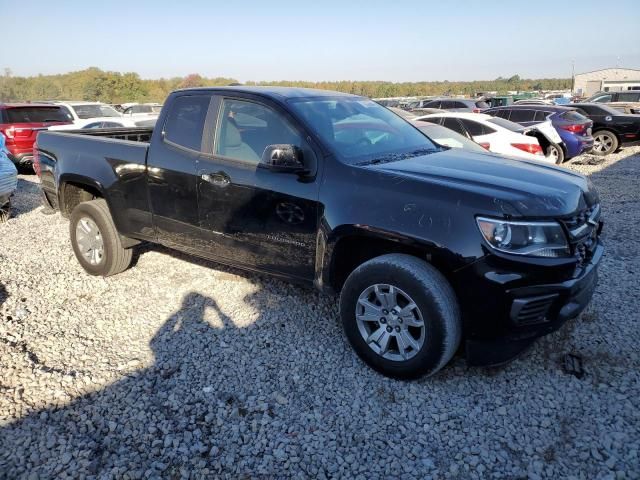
(540, 116)
(628, 97)
(520, 116)
(474, 128)
(503, 114)
(454, 125)
(574, 116)
(185, 121)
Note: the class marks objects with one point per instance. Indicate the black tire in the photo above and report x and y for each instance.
(607, 143)
(115, 258)
(432, 294)
(555, 150)
(5, 212)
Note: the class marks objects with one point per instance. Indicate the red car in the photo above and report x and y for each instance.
(20, 124)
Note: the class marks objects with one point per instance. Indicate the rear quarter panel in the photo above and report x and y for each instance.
(116, 168)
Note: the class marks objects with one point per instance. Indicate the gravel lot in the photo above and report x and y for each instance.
(180, 368)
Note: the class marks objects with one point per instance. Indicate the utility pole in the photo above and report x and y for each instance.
(573, 75)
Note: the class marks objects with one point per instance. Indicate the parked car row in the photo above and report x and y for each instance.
(573, 128)
(21, 122)
(611, 128)
(568, 130)
(625, 101)
(600, 124)
(450, 104)
(493, 134)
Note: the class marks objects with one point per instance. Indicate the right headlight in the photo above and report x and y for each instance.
(536, 239)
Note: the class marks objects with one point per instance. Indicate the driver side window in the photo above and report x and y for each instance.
(246, 128)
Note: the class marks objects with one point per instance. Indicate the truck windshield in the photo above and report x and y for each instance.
(95, 111)
(360, 131)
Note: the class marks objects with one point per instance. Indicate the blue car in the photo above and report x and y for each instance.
(573, 127)
(8, 181)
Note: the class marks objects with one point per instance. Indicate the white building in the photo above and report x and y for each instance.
(609, 79)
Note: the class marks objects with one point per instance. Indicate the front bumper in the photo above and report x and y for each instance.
(521, 309)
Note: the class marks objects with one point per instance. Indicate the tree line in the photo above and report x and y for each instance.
(115, 87)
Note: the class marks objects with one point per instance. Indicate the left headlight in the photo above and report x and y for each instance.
(536, 239)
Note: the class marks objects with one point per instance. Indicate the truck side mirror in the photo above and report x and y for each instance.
(283, 158)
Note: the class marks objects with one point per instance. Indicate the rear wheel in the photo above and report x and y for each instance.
(554, 152)
(604, 143)
(401, 316)
(95, 240)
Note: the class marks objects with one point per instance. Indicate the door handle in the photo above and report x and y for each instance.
(219, 179)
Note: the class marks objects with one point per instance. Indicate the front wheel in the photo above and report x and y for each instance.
(95, 240)
(604, 143)
(400, 316)
(554, 152)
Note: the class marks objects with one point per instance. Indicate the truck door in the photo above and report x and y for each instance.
(255, 217)
(172, 167)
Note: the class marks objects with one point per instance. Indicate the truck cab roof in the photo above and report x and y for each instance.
(274, 92)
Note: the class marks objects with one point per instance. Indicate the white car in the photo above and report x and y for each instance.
(80, 112)
(140, 109)
(143, 111)
(491, 133)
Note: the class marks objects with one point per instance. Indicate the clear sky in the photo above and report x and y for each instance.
(320, 40)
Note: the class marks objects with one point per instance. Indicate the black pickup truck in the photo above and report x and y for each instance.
(430, 248)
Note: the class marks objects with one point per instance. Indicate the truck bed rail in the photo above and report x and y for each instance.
(138, 134)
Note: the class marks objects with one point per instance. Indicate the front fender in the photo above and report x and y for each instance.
(329, 241)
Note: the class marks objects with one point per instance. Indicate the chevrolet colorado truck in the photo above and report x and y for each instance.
(432, 250)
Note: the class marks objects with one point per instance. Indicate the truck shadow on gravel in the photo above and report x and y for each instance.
(196, 408)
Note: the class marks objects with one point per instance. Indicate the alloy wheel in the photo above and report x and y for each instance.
(89, 241)
(602, 143)
(390, 322)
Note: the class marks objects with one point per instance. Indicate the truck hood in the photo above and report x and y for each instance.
(516, 187)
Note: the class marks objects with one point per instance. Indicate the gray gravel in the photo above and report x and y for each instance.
(179, 368)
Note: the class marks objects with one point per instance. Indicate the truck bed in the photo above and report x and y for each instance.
(112, 155)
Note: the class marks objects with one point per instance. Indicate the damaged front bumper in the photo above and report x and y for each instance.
(532, 311)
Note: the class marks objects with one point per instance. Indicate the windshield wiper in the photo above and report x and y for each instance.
(394, 157)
